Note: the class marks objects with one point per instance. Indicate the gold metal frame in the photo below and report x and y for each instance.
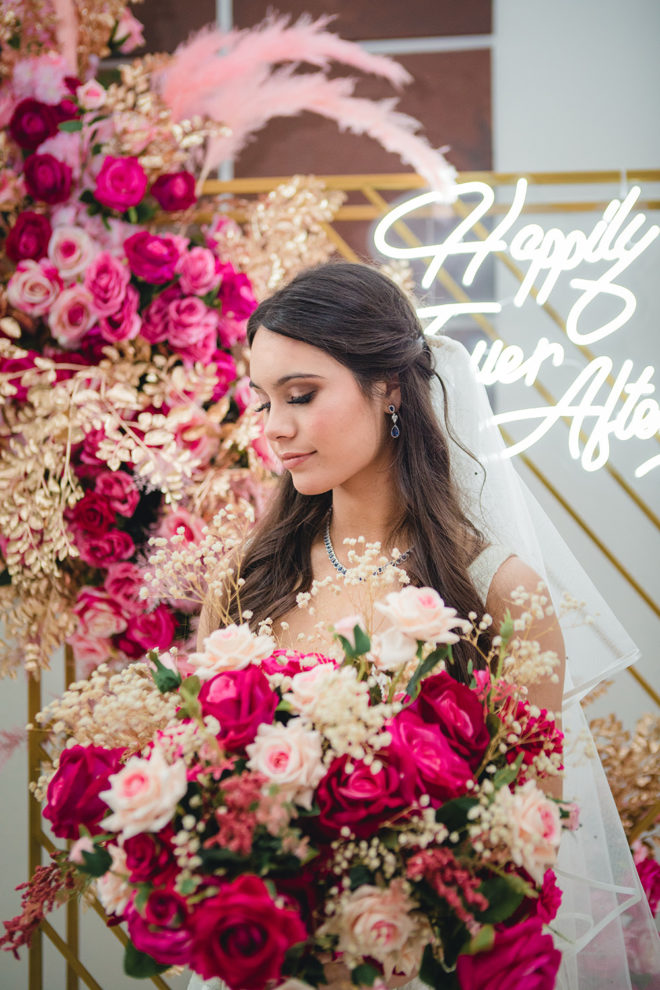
(371, 188)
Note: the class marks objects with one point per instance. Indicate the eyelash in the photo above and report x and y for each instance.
(295, 400)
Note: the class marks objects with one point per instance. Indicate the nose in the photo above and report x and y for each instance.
(280, 423)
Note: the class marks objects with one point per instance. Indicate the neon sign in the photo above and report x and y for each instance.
(616, 240)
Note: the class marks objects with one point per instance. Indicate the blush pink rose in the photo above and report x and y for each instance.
(107, 279)
(74, 792)
(377, 922)
(123, 582)
(242, 936)
(29, 236)
(361, 800)
(174, 190)
(241, 700)
(34, 287)
(346, 627)
(153, 257)
(180, 518)
(189, 320)
(201, 350)
(113, 891)
(98, 615)
(421, 614)
(47, 178)
(128, 34)
(233, 647)
(438, 770)
(289, 756)
(91, 95)
(119, 489)
(521, 957)
(121, 183)
(71, 250)
(144, 794)
(89, 652)
(534, 825)
(392, 650)
(125, 323)
(103, 549)
(199, 271)
(457, 711)
(71, 315)
(194, 432)
(155, 319)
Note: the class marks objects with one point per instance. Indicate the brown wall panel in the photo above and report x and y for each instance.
(168, 23)
(388, 19)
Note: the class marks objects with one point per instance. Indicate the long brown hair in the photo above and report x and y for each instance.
(363, 320)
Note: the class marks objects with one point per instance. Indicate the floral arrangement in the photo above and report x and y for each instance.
(124, 294)
(264, 815)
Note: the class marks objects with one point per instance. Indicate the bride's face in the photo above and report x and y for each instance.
(319, 422)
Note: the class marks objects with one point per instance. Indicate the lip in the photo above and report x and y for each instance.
(294, 460)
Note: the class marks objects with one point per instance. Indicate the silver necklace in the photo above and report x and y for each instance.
(340, 567)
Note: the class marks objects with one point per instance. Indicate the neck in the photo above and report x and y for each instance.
(373, 515)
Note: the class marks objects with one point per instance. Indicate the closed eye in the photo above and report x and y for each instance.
(295, 400)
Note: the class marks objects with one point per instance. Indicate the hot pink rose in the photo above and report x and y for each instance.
(47, 179)
(121, 182)
(161, 929)
(225, 373)
(71, 250)
(199, 270)
(93, 513)
(363, 800)
(153, 257)
(242, 936)
(125, 323)
(73, 792)
(231, 331)
(649, 874)
(103, 549)
(29, 236)
(291, 662)
(549, 900)
(457, 711)
(174, 190)
(522, 957)
(119, 489)
(236, 294)
(98, 615)
(107, 279)
(241, 700)
(189, 320)
(149, 631)
(31, 123)
(123, 582)
(202, 349)
(71, 315)
(34, 287)
(439, 771)
(155, 319)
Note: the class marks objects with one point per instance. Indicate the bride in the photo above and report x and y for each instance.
(382, 438)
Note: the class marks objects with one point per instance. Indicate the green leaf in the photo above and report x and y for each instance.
(362, 641)
(131, 213)
(166, 680)
(506, 775)
(359, 875)
(425, 668)
(140, 965)
(502, 897)
(481, 942)
(365, 975)
(454, 814)
(87, 196)
(142, 896)
(434, 975)
(70, 126)
(494, 724)
(96, 863)
(506, 628)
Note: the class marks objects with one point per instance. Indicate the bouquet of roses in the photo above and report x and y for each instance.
(256, 813)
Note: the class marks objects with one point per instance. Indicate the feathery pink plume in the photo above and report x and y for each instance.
(10, 740)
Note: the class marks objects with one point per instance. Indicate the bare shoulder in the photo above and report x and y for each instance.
(513, 573)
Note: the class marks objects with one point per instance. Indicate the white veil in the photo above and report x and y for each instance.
(604, 929)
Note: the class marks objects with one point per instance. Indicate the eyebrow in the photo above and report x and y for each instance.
(286, 378)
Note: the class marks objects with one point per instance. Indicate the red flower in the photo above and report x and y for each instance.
(649, 874)
(438, 770)
(241, 936)
(457, 712)
(32, 122)
(149, 631)
(549, 899)
(174, 190)
(73, 793)
(152, 257)
(93, 514)
(241, 700)
(119, 489)
(47, 178)
(120, 183)
(149, 859)
(362, 800)
(103, 549)
(29, 236)
(522, 957)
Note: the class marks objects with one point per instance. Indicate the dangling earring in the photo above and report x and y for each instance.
(395, 431)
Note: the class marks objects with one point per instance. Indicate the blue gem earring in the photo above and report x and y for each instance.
(395, 431)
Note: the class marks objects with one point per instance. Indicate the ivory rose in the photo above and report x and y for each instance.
(534, 825)
(290, 756)
(71, 250)
(144, 794)
(34, 286)
(392, 650)
(422, 614)
(231, 648)
(112, 888)
(377, 922)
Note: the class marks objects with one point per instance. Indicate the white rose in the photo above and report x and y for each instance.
(421, 614)
(231, 648)
(308, 687)
(112, 888)
(346, 627)
(289, 756)
(91, 95)
(534, 825)
(144, 794)
(392, 650)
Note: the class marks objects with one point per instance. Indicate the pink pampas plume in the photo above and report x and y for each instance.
(66, 31)
(237, 79)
